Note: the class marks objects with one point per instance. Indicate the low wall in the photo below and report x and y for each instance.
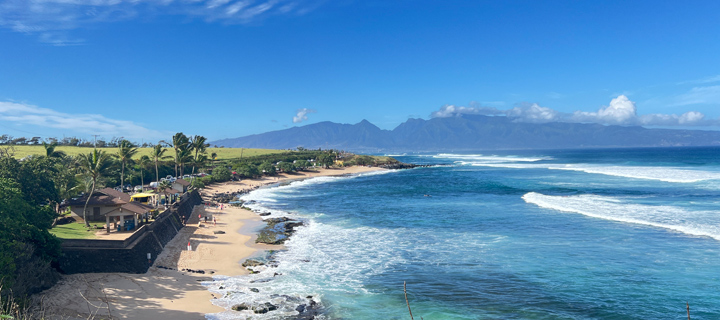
(130, 255)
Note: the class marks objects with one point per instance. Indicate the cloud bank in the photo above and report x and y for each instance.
(77, 123)
(52, 19)
(620, 111)
(302, 115)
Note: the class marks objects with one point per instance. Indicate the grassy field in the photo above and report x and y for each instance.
(72, 231)
(222, 153)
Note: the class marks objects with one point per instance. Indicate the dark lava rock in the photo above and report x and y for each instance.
(252, 263)
(307, 311)
(241, 307)
(261, 280)
(264, 308)
(219, 232)
(255, 290)
(264, 214)
(277, 230)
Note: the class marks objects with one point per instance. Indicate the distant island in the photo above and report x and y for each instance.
(470, 132)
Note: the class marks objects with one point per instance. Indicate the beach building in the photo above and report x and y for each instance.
(110, 205)
(181, 185)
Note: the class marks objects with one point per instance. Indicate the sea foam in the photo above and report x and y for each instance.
(697, 223)
(490, 158)
(666, 174)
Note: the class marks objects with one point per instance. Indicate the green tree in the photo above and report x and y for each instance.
(267, 168)
(158, 155)
(180, 143)
(50, 151)
(326, 159)
(65, 179)
(26, 246)
(95, 165)
(199, 145)
(246, 170)
(184, 157)
(143, 162)
(286, 166)
(34, 176)
(126, 150)
(302, 164)
(221, 174)
(199, 162)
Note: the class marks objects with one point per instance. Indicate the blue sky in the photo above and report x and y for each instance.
(144, 69)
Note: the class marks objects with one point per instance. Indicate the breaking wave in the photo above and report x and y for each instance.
(697, 223)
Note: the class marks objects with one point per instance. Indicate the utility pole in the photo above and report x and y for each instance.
(95, 142)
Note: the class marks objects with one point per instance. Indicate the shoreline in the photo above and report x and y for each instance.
(166, 291)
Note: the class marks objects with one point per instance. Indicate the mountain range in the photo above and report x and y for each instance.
(469, 132)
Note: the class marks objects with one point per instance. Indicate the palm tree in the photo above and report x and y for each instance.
(50, 151)
(184, 157)
(142, 163)
(95, 165)
(199, 161)
(180, 142)
(198, 145)
(126, 150)
(158, 154)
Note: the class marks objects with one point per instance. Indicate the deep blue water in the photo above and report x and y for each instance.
(590, 234)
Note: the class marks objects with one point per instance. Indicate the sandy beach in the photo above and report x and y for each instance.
(165, 291)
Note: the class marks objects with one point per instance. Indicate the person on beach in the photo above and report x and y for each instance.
(214, 221)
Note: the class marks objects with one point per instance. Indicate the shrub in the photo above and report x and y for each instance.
(221, 174)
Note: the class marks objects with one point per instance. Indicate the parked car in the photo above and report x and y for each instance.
(138, 188)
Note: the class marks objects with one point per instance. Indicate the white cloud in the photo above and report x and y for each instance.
(302, 115)
(449, 110)
(533, 113)
(699, 95)
(80, 123)
(57, 17)
(620, 111)
(703, 80)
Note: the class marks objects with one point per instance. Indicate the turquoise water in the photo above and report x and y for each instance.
(600, 234)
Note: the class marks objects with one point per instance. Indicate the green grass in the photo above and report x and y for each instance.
(222, 153)
(73, 231)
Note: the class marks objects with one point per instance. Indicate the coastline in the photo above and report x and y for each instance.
(165, 291)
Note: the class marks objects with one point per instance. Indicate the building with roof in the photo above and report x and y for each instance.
(181, 185)
(110, 205)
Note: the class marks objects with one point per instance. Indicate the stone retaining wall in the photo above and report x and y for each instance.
(130, 255)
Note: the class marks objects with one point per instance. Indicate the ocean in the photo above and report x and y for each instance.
(563, 234)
